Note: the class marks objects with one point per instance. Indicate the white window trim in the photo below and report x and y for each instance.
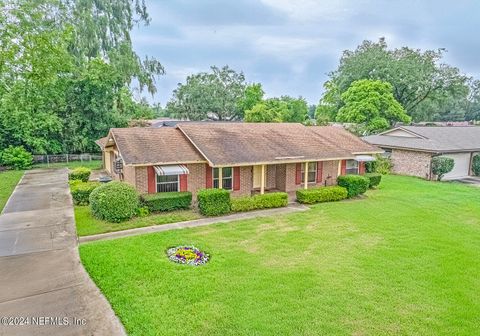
(302, 170)
(358, 168)
(157, 183)
(223, 178)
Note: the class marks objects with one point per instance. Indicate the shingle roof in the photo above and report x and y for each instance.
(432, 139)
(101, 142)
(248, 143)
(163, 145)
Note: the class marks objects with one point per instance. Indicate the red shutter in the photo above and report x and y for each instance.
(344, 167)
(208, 177)
(361, 168)
(183, 182)
(298, 174)
(152, 188)
(319, 171)
(236, 178)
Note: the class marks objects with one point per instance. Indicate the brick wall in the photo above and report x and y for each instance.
(411, 163)
(271, 180)
(246, 182)
(330, 168)
(141, 179)
(280, 177)
(129, 175)
(196, 180)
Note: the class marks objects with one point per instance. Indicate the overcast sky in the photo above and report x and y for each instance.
(290, 46)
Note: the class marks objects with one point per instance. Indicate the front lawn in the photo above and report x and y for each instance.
(8, 181)
(405, 260)
(88, 225)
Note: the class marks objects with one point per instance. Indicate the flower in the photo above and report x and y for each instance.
(187, 255)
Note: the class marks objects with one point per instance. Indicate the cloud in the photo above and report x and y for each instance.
(290, 46)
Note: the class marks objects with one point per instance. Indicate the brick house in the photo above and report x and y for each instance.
(245, 158)
(411, 148)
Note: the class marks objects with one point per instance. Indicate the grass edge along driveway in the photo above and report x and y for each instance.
(406, 260)
(8, 181)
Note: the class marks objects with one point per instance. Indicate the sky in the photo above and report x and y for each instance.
(291, 46)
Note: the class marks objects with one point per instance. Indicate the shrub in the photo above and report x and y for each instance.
(476, 165)
(167, 201)
(114, 201)
(17, 158)
(80, 173)
(442, 165)
(81, 191)
(143, 212)
(265, 201)
(321, 194)
(214, 202)
(374, 179)
(355, 184)
(381, 165)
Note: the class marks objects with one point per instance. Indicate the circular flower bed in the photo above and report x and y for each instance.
(187, 255)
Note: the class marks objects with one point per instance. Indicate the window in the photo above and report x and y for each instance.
(387, 153)
(312, 172)
(352, 167)
(167, 183)
(227, 178)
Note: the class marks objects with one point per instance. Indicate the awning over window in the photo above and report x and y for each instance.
(171, 170)
(364, 158)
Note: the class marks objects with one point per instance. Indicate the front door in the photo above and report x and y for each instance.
(257, 176)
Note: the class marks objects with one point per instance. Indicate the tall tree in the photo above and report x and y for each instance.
(371, 104)
(283, 109)
(252, 96)
(417, 77)
(211, 95)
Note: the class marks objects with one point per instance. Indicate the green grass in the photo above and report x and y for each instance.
(8, 181)
(88, 225)
(404, 261)
(94, 164)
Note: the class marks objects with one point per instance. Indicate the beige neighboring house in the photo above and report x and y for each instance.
(245, 158)
(411, 148)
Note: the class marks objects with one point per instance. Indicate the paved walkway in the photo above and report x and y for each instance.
(294, 207)
(41, 278)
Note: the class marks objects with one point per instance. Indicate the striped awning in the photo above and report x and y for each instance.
(171, 170)
(364, 158)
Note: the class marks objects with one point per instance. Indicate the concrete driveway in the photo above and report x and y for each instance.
(472, 180)
(44, 289)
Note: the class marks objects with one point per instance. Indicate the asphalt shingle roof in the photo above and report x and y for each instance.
(249, 143)
(432, 139)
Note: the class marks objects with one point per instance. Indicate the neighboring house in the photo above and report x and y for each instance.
(411, 148)
(243, 157)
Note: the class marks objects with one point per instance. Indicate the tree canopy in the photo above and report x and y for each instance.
(283, 109)
(65, 72)
(421, 82)
(371, 103)
(216, 95)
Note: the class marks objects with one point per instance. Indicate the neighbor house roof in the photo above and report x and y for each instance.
(430, 139)
(224, 144)
(164, 145)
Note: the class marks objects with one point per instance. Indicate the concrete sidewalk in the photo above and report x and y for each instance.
(294, 207)
(44, 289)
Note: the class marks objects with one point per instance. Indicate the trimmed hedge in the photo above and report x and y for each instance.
(80, 173)
(167, 201)
(265, 201)
(81, 191)
(214, 202)
(114, 201)
(374, 179)
(321, 194)
(355, 184)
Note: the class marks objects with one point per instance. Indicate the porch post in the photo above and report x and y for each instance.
(220, 178)
(262, 181)
(305, 176)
